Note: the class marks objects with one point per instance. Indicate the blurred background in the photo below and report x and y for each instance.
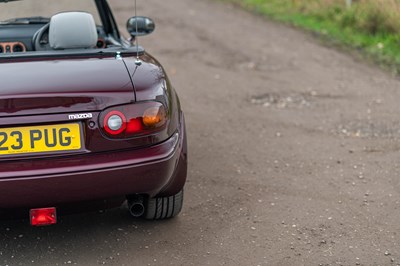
(372, 27)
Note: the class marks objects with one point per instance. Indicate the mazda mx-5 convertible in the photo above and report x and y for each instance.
(85, 114)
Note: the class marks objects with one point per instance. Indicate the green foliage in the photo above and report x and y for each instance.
(370, 26)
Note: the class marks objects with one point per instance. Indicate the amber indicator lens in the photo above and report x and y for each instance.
(154, 116)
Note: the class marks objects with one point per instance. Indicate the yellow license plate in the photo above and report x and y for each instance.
(38, 139)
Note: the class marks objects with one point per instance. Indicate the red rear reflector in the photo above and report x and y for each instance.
(42, 217)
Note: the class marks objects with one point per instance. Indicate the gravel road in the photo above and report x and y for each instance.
(294, 154)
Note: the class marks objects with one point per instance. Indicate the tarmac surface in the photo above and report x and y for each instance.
(294, 154)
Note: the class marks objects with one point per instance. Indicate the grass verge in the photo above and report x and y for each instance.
(371, 27)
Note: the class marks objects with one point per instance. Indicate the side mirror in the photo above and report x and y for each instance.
(140, 26)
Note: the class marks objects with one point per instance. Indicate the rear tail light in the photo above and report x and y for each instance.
(132, 120)
(44, 216)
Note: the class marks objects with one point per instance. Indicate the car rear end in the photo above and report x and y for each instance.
(72, 130)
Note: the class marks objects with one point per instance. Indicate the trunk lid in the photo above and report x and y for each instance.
(63, 86)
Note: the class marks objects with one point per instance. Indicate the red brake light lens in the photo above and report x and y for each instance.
(132, 120)
(134, 126)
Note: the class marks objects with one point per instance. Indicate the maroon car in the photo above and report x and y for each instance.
(85, 114)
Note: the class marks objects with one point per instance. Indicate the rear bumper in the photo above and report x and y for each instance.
(52, 182)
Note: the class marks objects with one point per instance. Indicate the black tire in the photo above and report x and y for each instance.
(164, 207)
